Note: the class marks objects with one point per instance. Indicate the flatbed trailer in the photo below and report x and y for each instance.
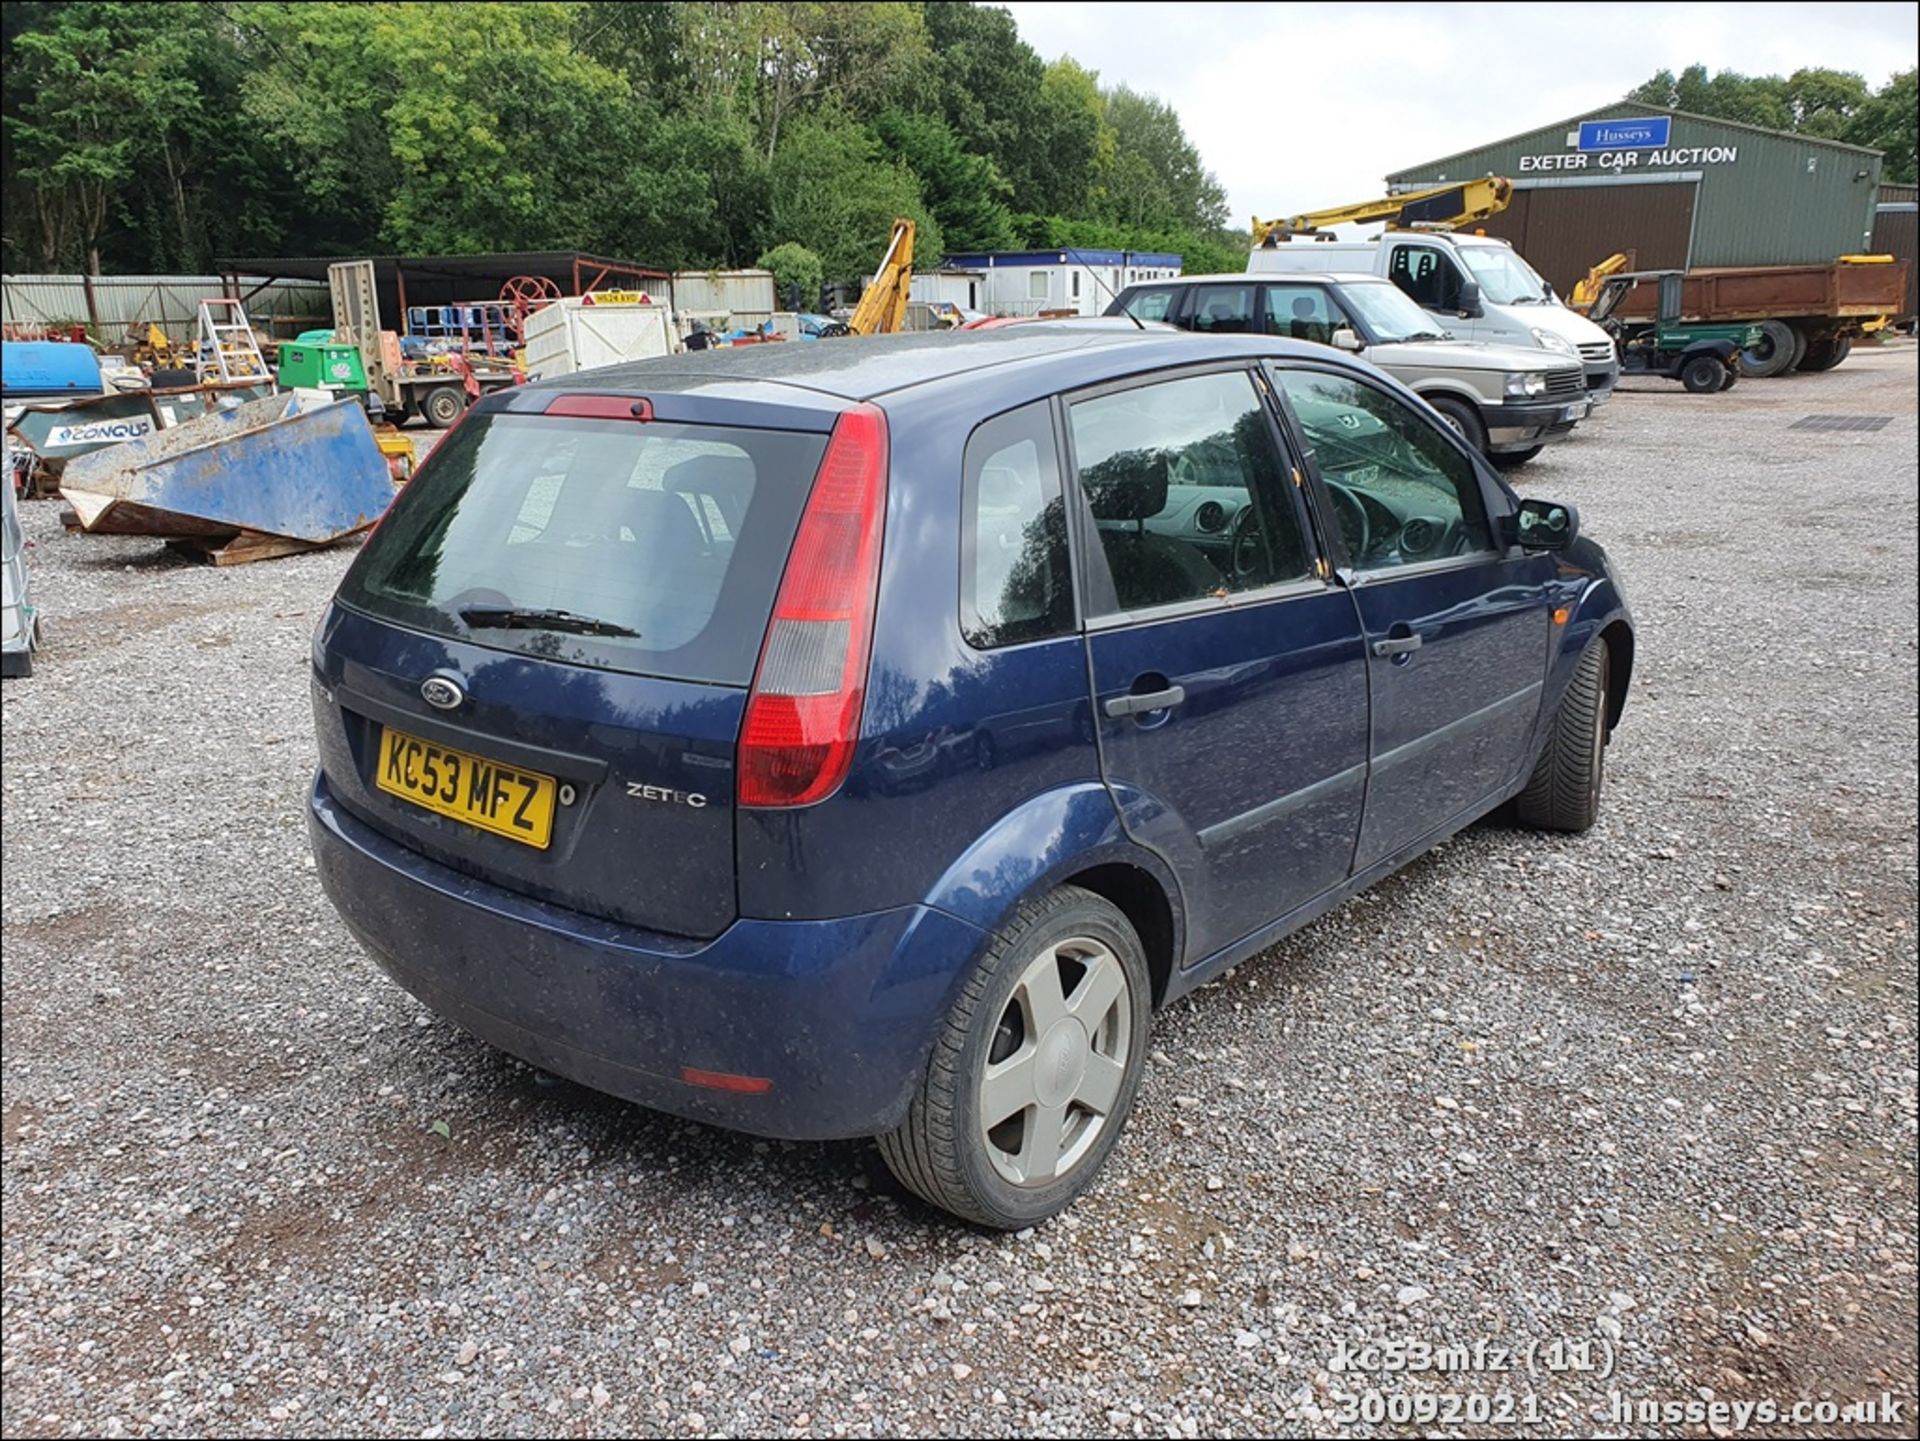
(1809, 315)
(439, 396)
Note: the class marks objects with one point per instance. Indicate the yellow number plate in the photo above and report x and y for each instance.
(499, 798)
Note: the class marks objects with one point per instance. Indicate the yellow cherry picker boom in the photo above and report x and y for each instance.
(1440, 207)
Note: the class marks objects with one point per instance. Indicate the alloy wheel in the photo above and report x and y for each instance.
(1058, 1062)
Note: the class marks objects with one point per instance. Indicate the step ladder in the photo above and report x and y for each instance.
(227, 350)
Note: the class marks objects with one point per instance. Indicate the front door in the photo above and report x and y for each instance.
(1457, 628)
(1228, 676)
(1432, 277)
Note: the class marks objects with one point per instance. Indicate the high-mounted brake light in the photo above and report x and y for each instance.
(810, 690)
(601, 407)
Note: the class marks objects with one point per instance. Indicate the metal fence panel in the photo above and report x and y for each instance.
(169, 301)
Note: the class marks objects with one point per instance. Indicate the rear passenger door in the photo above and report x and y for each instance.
(1221, 309)
(1456, 626)
(1228, 675)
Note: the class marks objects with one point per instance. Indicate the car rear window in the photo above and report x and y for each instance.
(676, 532)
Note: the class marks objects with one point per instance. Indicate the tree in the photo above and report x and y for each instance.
(1156, 177)
(964, 192)
(1888, 121)
(94, 91)
(1072, 141)
(795, 268)
(836, 192)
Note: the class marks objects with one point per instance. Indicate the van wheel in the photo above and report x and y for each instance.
(1463, 420)
(1703, 375)
(1514, 459)
(1034, 1072)
(443, 407)
(1772, 353)
(1563, 793)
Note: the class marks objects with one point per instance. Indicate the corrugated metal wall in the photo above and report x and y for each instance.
(1564, 231)
(1784, 199)
(169, 301)
(1896, 232)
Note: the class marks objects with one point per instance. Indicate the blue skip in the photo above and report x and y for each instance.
(281, 467)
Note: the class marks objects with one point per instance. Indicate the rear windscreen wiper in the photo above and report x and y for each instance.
(499, 617)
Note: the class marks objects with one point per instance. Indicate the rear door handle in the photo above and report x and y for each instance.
(1126, 705)
(1397, 645)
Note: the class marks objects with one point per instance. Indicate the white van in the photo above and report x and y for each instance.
(1477, 285)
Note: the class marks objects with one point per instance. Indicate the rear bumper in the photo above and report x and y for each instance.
(837, 1015)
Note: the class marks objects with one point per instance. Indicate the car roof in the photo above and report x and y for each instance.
(1040, 358)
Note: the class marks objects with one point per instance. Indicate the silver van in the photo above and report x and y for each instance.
(1506, 401)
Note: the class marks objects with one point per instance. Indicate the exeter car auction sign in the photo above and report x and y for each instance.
(1616, 145)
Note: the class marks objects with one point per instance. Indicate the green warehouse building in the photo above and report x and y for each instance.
(1681, 191)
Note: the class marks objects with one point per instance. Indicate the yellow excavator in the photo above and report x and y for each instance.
(1441, 207)
(883, 304)
(1587, 290)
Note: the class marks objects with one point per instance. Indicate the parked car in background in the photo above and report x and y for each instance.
(865, 740)
(1504, 401)
(1476, 286)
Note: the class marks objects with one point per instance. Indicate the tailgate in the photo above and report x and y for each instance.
(536, 670)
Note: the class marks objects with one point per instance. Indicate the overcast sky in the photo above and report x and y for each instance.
(1300, 106)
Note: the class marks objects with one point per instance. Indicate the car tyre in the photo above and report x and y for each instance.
(1463, 420)
(1703, 375)
(1772, 354)
(1013, 1034)
(444, 406)
(1514, 459)
(1563, 793)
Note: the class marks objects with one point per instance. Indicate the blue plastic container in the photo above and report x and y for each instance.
(48, 367)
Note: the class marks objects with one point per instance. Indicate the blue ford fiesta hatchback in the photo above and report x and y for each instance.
(865, 738)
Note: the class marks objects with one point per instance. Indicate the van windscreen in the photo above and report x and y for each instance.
(650, 548)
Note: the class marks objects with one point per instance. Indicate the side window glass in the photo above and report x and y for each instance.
(1188, 491)
(1426, 275)
(1014, 581)
(1152, 303)
(1222, 309)
(1302, 312)
(1401, 492)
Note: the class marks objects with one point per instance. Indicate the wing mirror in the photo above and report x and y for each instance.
(1345, 339)
(1542, 525)
(1470, 305)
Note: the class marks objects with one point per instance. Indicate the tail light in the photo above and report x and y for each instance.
(803, 714)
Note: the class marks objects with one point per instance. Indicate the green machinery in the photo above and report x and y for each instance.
(1703, 356)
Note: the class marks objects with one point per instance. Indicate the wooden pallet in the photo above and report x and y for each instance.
(248, 545)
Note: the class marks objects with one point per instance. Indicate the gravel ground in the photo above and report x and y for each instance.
(1650, 1091)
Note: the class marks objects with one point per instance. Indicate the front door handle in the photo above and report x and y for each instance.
(1397, 645)
(1126, 705)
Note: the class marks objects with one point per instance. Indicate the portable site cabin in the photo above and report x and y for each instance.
(1073, 280)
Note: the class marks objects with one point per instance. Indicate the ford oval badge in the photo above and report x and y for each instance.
(442, 693)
